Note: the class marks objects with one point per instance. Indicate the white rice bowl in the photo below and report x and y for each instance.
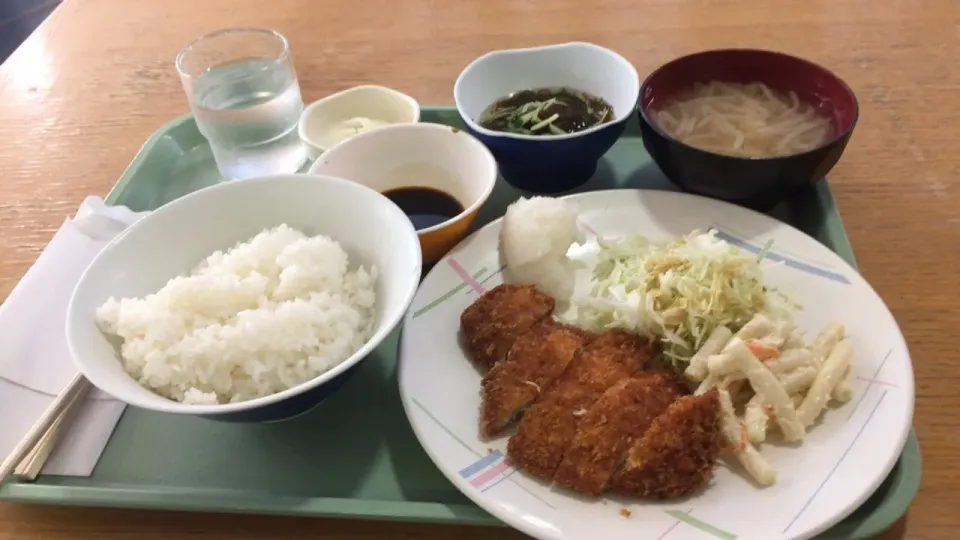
(269, 314)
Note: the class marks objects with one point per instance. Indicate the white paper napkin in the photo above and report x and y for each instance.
(35, 364)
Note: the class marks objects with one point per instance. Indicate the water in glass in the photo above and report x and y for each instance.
(248, 110)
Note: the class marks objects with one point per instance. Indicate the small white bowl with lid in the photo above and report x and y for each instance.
(337, 117)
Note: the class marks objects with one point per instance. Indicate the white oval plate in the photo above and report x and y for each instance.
(844, 460)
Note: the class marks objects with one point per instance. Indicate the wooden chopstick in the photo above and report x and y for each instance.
(78, 385)
(23, 468)
(30, 467)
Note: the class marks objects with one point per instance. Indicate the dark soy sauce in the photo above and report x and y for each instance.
(425, 206)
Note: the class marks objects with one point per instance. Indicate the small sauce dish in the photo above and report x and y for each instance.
(439, 176)
(337, 117)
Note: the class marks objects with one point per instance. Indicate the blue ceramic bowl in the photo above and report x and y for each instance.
(550, 163)
(176, 237)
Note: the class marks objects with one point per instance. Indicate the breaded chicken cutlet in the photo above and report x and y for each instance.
(495, 320)
(605, 433)
(536, 360)
(677, 454)
(550, 425)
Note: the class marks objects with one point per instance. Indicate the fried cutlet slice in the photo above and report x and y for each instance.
(619, 339)
(494, 321)
(536, 360)
(676, 456)
(548, 427)
(622, 414)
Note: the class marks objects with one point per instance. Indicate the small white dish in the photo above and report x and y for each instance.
(337, 117)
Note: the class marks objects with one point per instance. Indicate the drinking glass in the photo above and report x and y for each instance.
(244, 96)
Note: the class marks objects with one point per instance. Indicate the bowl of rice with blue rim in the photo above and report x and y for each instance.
(246, 301)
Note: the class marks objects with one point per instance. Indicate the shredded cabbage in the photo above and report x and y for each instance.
(677, 292)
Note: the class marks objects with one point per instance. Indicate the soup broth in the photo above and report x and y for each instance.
(546, 111)
(744, 120)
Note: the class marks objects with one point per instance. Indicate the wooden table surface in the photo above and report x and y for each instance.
(81, 95)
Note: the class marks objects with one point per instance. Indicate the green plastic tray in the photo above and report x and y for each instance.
(354, 456)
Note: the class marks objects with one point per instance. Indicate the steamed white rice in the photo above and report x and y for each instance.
(273, 312)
